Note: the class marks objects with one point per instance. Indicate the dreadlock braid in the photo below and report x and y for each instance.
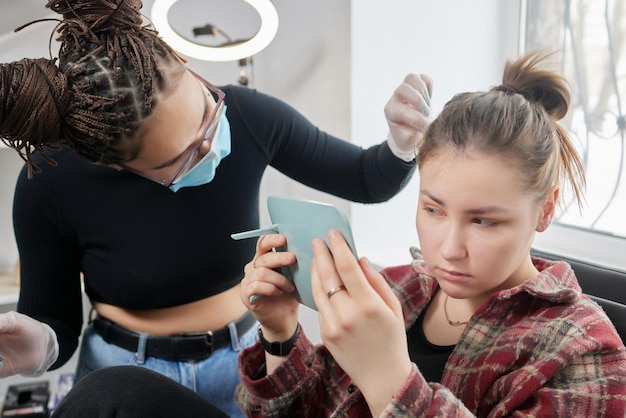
(29, 121)
(111, 61)
(110, 68)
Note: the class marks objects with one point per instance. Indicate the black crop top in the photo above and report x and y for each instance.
(142, 246)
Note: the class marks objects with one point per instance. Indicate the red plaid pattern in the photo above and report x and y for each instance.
(541, 349)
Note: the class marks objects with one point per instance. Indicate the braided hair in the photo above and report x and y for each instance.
(95, 96)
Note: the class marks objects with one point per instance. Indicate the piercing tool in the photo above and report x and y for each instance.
(255, 232)
(251, 234)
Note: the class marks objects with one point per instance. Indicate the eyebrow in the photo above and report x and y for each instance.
(194, 143)
(476, 211)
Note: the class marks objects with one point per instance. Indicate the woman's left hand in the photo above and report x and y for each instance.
(361, 325)
(267, 293)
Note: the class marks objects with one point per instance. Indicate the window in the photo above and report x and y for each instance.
(590, 35)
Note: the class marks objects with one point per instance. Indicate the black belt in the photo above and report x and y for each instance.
(178, 347)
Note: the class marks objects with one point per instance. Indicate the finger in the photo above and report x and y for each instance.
(265, 255)
(274, 260)
(380, 286)
(258, 289)
(416, 86)
(325, 261)
(430, 84)
(8, 322)
(323, 278)
(335, 312)
(346, 264)
(408, 107)
(267, 242)
(325, 312)
(265, 267)
(421, 83)
(407, 97)
(264, 283)
(265, 278)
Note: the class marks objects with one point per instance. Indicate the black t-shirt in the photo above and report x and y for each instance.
(141, 246)
(431, 359)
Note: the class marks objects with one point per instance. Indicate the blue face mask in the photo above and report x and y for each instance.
(204, 171)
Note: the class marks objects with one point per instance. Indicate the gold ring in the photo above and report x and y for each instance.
(335, 290)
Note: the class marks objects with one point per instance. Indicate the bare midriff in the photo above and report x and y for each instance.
(207, 314)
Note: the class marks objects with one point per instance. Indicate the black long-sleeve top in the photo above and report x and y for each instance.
(141, 246)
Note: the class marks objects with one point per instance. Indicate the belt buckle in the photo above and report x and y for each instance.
(209, 339)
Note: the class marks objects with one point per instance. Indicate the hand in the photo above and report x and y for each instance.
(27, 346)
(362, 326)
(407, 113)
(267, 293)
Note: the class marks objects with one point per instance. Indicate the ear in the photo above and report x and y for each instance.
(547, 210)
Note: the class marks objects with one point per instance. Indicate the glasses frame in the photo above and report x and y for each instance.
(208, 134)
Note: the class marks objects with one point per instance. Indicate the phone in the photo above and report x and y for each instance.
(301, 221)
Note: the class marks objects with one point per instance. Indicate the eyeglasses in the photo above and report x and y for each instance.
(195, 157)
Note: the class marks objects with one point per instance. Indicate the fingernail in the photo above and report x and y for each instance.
(367, 263)
(254, 298)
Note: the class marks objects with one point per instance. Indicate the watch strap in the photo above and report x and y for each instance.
(277, 348)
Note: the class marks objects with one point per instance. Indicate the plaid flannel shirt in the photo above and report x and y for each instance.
(538, 349)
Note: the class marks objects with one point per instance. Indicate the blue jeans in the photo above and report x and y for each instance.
(214, 378)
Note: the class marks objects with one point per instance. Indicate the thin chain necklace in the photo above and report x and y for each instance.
(445, 311)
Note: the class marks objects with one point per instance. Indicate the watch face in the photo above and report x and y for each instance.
(301, 221)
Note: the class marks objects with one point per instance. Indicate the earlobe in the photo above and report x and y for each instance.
(547, 210)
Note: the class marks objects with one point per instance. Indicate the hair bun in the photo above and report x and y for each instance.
(546, 88)
(507, 89)
(35, 102)
(98, 15)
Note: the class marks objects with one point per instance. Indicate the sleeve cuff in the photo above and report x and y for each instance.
(404, 155)
(288, 375)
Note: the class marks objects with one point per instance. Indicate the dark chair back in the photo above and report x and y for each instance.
(604, 285)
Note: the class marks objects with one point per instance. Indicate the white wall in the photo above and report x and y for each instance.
(462, 45)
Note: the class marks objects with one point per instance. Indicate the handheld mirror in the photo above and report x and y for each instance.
(301, 221)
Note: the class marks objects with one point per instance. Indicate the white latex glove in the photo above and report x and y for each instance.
(27, 346)
(407, 113)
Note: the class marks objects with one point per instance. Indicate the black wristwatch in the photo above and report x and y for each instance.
(279, 348)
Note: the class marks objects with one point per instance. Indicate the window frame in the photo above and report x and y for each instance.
(571, 241)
